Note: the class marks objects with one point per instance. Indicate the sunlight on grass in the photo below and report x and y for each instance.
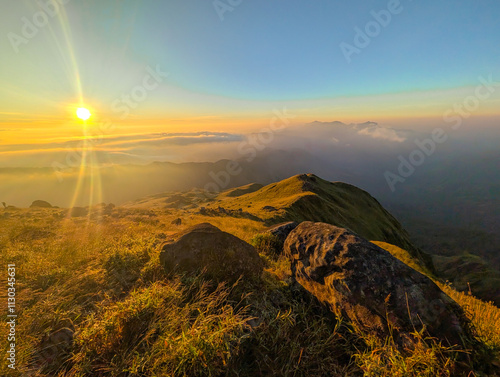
(105, 281)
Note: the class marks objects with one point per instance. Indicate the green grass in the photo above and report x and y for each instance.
(165, 329)
(310, 198)
(102, 277)
(427, 359)
(484, 316)
(267, 244)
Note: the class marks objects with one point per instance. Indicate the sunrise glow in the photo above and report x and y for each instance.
(83, 113)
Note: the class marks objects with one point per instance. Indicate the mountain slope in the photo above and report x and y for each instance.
(307, 197)
(99, 279)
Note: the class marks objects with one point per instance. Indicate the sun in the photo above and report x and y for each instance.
(83, 113)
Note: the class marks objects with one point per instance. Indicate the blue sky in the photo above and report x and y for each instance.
(290, 49)
(262, 53)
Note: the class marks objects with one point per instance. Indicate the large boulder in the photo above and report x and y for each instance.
(370, 287)
(281, 231)
(78, 212)
(40, 204)
(205, 247)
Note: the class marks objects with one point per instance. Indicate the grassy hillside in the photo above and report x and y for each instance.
(466, 256)
(100, 275)
(239, 191)
(484, 315)
(308, 197)
(470, 273)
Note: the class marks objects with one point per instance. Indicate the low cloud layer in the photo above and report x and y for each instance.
(383, 133)
(139, 148)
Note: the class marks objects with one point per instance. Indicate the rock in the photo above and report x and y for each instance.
(281, 231)
(55, 345)
(78, 212)
(106, 209)
(177, 221)
(366, 284)
(269, 208)
(40, 204)
(221, 255)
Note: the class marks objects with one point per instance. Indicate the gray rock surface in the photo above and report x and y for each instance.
(281, 231)
(366, 284)
(78, 212)
(221, 255)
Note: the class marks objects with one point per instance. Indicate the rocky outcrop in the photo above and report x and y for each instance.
(281, 231)
(204, 247)
(78, 212)
(369, 286)
(269, 208)
(177, 221)
(40, 204)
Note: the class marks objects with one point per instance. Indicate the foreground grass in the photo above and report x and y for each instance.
(103, 279)
(164, 329)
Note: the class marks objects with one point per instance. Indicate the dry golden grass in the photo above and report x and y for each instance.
(103, 276)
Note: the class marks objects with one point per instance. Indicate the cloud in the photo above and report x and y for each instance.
(382, 133)
(125, 141)
(173, 139)
(138, 148)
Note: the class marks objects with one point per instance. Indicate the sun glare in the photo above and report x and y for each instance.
(83, 113)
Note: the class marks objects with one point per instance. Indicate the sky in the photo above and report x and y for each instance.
(189, 66)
